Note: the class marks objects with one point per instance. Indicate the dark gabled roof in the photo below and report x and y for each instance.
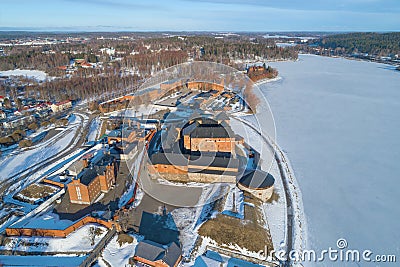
(88, 175)
(187, 130)
(257, 179)
(208, 121)
(115, 150)
(168, 138)
(213, 161)
(169, 159)
(130, 147)
(172, 254)
(100, 169)
(212, 131)
(124, 133)
(153, 251)
(76, 167)
(103, 160)
(150, 250)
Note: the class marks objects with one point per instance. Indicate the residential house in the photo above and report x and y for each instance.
(60, 106)
(149, 253)
(16, 122)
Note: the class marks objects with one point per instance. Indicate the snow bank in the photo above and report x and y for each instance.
(117, 255)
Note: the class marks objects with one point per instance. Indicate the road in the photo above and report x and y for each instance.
(96, 252)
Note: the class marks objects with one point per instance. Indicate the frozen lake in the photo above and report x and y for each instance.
(338, 122)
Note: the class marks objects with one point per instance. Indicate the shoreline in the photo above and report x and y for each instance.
(267, 80)
(392, 64)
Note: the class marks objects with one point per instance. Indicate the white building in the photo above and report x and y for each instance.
(108, 51)
(60, 106)
(18, 122)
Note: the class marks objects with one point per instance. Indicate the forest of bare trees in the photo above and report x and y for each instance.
(135, 59)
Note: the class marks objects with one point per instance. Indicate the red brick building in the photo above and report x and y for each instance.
(98, 177)
(209, 136)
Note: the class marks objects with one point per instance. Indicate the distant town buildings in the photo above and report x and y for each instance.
(18, 121)
(109, 51)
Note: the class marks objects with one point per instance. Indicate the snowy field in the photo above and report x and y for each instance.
(117, 255)
(94, 130)
(78, 241)
(34, 74)
(337, 121)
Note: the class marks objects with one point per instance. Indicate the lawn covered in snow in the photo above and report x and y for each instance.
(78, 241)
(117, 255)
(34, 74)
(338, 122)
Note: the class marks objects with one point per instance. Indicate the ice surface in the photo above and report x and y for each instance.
(337, 120)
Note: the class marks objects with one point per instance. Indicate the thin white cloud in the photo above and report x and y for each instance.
(371, 6)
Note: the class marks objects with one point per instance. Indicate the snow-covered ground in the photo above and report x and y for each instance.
(35, 74)
(78, 241)
(234, 203)
(139, 110)
(189, 220)
(117, 255)
(19, 160)
(275, 212)
(337, 122)
(94, 129)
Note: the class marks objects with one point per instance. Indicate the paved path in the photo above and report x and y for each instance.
(96, 252)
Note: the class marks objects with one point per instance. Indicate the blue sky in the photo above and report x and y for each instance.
(202, 15)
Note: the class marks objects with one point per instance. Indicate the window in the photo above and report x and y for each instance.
(78, 193)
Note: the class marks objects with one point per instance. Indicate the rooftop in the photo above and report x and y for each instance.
(153, 252)
(207, 127)
(87, 175)
(214, 161)
(257, 179)
(169, 159)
